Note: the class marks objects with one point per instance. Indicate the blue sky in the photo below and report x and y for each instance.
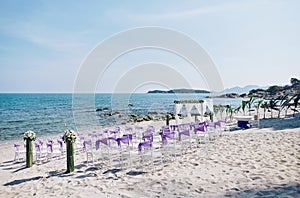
(43, 43)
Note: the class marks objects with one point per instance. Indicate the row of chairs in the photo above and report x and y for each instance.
(42, 150)
(132, 147)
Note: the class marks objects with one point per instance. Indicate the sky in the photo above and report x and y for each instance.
(44, 43)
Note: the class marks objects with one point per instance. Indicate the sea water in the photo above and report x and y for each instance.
(51, 114)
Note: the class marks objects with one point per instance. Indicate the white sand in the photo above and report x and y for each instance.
(254, 162)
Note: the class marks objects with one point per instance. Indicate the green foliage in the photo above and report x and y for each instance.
(229, 110)
(244, 104)
(265, 106)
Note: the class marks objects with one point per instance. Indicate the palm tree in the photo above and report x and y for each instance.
(273, 106)
(216, 109)
(221, 108)
(236, 110)
(250, 102)
(244, 104)
(282, 100)
(257, 105)
(296, 102)
(229, 110)
(265, 106)
(287, 104)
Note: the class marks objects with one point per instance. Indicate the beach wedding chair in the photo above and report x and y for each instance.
(40, 153)
(19, 152)
(168, 144)
(200, 131)
(211, 131)
(184, 137)
(52, 151)
(88, 149)
(148, 156)
(138, 132)
(125, 145)
(61, 145)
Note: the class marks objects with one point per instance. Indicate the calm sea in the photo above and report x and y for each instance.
(46, 114)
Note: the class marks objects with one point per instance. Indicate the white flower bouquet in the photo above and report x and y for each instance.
(69, 136)
(29, 135)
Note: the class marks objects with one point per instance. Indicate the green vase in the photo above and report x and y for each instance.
(70, 156)
(29, 156)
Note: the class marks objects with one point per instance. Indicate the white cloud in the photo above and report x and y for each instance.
(187, 13)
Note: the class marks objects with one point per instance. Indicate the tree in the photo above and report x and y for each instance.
(250, 103)
(282, 100)
(243, 106)
(257, 105)
(294, 81)
(273, 106)
(236, 110)
(221, 108)
(229, 110)
(265, 106)
(296, 102)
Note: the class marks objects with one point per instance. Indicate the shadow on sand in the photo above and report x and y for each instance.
(286, 190)
(20, 181)
(288, 122)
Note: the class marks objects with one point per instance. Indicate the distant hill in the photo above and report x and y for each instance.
(243, 90)
(178, 91)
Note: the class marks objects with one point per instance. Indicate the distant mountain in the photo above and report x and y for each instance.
(178, 91)
(243, 90)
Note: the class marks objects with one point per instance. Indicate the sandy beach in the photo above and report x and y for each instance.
(243, 163)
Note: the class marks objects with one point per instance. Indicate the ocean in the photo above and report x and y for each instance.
(47, 114)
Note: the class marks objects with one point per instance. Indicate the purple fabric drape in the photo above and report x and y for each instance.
(124, 140)
(50, 146)
(85, 143)
(17, 146)
(201, 128)
(166, 136)
(148, 136)
(185, 132)
(147, 144)
(37, 147)
(60, 143)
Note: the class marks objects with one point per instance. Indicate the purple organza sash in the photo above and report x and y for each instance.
(166, 136)
(200, 128)
(148, 136)
(81, 137)
(97, 145)
(41, 142)
(50, 146)
(124, 140)
(174, 127)
(17, 146)
(85, 143)
(92, 135)
(147, 144)
(37, 147)
(60, 143)
(185, 132)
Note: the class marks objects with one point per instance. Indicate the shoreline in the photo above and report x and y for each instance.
(253, 162)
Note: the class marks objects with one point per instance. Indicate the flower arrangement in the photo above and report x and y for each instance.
(69, 136)
(29, 135)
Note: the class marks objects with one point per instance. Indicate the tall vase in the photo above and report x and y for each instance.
(29, 156)
(70, 156)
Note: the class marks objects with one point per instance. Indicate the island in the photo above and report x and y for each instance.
(183, 91)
